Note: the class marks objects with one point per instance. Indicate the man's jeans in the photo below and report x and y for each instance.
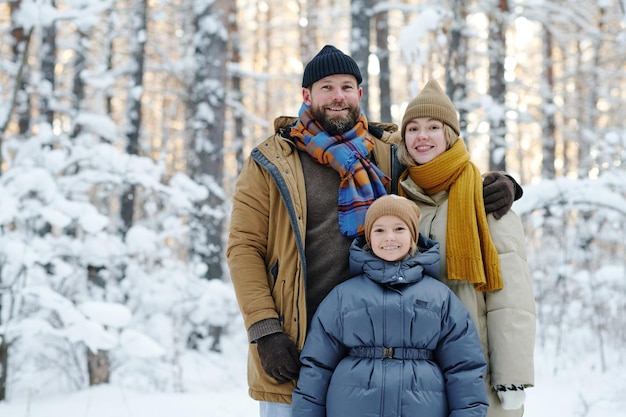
(269, 409)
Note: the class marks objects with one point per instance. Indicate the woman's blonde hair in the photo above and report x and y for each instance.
(407, 160)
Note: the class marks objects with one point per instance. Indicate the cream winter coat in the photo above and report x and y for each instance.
(505, 319)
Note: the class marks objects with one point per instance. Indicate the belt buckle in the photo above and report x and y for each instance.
(388, 353)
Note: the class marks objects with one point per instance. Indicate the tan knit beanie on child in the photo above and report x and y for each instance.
(393, 205)
(432, 102)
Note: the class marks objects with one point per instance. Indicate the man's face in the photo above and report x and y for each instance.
(335, 102)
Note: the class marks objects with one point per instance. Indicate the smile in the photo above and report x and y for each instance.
(424, 148)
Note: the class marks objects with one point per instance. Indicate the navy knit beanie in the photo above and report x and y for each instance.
(329, 61)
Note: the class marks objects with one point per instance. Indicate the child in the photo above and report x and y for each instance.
(392, 340)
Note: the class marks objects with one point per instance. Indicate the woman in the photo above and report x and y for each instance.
(483, 260)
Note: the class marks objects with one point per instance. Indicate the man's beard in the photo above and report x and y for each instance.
(337, 125)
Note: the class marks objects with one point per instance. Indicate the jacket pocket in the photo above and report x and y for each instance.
(278, 292)
(273, 271)
(421, 303)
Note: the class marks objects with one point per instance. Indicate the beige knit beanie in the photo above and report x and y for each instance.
(393, 205)
(432, 102)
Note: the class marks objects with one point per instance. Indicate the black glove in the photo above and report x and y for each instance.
(279, 357)
(498, 193)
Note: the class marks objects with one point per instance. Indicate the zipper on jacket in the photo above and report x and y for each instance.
(383, 385)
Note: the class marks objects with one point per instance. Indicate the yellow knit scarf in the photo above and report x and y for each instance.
(470, 254)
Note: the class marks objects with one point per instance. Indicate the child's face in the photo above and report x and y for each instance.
(425, 139)
(390, 238)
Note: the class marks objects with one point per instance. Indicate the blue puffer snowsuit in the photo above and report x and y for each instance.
(346, 369)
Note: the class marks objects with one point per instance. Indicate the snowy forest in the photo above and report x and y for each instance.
(123, 124)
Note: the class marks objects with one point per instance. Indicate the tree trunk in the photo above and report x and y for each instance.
(48, 62)
(456, 64)
(20, 51)
(4, 363)
(236, 91)
(360, 44)
(384, 78)
(99, 367)
(548, 170)
(497, 87)
(589, 106)
(133, 114)
(309, 33)
(21, 40)
(78, 86)
(207, 120)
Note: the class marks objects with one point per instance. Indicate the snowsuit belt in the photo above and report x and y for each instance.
(376, 352)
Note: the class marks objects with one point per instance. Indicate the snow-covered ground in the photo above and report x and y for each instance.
(216, 387)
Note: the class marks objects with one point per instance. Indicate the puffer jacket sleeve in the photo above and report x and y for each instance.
(511, 311)
(247, 244)
(322, 352)
(461, 359)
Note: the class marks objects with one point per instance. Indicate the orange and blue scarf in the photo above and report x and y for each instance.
(361, 181)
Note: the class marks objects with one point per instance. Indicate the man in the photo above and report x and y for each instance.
(300, 200)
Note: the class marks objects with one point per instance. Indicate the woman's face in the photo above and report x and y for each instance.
(425, 139)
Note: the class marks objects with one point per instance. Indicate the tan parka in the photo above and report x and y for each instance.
(505, 319)
(265, 250)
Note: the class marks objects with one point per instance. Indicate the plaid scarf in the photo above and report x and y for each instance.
(470, 252)
(361, 181)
